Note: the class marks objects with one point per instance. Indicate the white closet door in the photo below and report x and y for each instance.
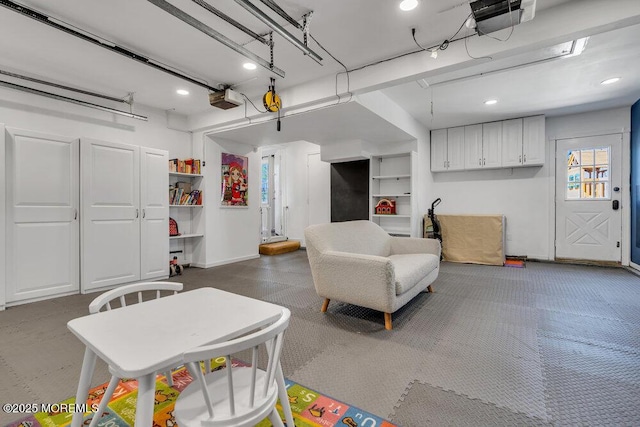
(110, 212)
(154, 202)
(42, 242)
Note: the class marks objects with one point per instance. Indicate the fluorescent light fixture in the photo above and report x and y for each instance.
(182, 92)
(407, 5)
(249, 65)
(434, 53)
(491, 102)
(610, 81)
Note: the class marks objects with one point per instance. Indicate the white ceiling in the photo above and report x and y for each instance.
(357, 32)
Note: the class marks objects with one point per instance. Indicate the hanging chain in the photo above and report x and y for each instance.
(271, 49)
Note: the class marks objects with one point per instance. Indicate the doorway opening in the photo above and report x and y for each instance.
(272, 209)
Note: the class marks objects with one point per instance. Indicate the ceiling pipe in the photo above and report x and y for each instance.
(231, 21)
(278, 29)
(44, 19)
(71, 100)
(184, 17)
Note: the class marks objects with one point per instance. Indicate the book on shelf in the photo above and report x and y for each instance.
(179, 197)
(189, 166)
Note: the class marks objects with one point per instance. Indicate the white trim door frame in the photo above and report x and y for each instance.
(588, 227)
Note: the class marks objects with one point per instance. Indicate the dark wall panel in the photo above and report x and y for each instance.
(350, 191)
(635, 183)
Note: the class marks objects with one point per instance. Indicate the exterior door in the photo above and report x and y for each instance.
(154, 225)
(588, 193)
(110, 211)
(42, 242)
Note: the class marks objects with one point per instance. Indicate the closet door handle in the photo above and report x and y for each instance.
(75, 214)
(144, 214)
(525, 158)
(136, 213)
(520, 158)
(479, 162)
(484, 161)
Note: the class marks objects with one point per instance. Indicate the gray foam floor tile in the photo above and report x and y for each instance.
(424, 405)
(339, 367)
(300, 298)
(590, 359)
(492, 377)
(628, 313)
(580, 399)
(592, 308)
(597, 331)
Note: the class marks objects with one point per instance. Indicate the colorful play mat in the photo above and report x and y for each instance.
(310, 408)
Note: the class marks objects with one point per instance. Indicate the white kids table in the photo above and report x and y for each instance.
(139, 340)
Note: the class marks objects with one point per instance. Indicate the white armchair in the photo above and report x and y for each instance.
(359, 263)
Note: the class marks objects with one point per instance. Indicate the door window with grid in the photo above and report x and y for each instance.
(588, 176)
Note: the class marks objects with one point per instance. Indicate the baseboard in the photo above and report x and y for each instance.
(230, 261)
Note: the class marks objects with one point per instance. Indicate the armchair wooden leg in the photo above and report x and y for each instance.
(430, 289)
(325, 304)
(387, 321)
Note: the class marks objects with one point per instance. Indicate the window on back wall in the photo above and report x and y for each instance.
(588, 174)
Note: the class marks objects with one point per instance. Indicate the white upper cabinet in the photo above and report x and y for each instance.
(493, 145)
(523, 142)
(439, 150)
(447, 149)
(455, 149)
(473, 147)
(512, 142)
(533, 141)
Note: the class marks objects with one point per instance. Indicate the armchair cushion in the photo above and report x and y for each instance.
(411, 269)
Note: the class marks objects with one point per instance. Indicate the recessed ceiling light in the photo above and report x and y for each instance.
(182, 92)
(609, 81)
(249, 65)
(407, 5)
(491, 102)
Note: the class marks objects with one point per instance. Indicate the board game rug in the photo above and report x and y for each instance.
(309, 407)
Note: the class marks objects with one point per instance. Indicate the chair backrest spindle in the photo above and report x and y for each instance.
(228, 406)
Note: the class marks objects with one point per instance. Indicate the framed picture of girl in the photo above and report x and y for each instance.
(234, 180)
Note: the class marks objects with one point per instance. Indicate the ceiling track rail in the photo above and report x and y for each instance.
(231, 21)
(42, 18)
(266, 19)
(71, 100)
(188, 19)
(277, 9)
(59, 86)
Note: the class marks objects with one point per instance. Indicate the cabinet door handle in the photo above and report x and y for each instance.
(520, 158)
(144, 214)
(444, 164)
(136, 213)
(479, 162)
(525, 158)
(75, 214)
(484, 162)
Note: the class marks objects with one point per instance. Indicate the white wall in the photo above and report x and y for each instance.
(32, 112)
(524, 195)
(232, 233)
(297, 185)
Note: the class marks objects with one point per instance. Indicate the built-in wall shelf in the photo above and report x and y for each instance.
(190, 175)
(391, 216)
(190, 215)
(391, 195)
(391, 177)
(185, 236)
